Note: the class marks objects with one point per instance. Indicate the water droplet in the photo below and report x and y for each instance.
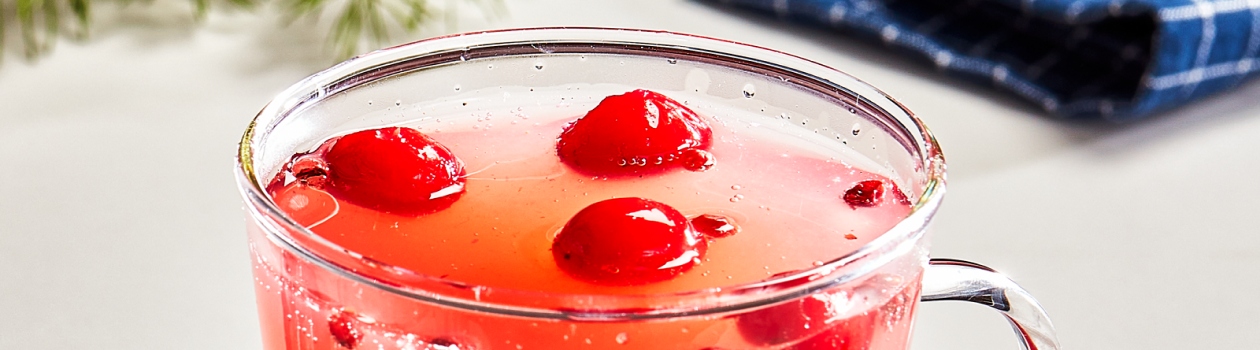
(737, 198)
(622, 338)
(818, 263)
(749, 90)
(857, 129)
(490, 66)
(398, 102)
(457, 88)
(538, 65)
(369, 102)
(736, 187)
(672, 60)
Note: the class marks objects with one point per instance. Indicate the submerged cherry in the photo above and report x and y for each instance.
(395, 170)
(787, 322)
(343, 327)
(854, 333)
(627, 241)
(637, 132)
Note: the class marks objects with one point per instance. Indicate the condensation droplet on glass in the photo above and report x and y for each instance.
(749, 90)
(622, 338)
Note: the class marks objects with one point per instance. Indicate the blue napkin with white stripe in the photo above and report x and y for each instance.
(1112, 59)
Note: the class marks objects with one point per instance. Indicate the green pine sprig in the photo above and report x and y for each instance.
(354, 25)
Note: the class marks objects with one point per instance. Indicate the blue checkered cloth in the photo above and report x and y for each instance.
(1113, 59)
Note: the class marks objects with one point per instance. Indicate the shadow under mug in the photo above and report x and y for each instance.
(312, 293)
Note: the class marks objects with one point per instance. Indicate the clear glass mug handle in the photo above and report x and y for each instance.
(949, 279)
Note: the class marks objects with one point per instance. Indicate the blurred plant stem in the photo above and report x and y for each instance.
(353, 25)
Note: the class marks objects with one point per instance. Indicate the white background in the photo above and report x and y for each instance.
(121, 228)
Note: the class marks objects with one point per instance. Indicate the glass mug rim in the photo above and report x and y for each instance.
(458, 48)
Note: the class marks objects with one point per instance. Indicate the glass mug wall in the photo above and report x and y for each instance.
(314, 293)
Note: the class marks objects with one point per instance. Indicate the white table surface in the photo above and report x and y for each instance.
(121, 228)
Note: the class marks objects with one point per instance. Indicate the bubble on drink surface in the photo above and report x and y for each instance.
(857, 129)
(749, 90)
(490, 66)
(672, 60)
(622, 338)
(538, 65)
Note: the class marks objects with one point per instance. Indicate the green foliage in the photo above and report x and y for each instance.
(355, 24)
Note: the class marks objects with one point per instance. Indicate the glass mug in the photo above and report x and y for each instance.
(314, 294)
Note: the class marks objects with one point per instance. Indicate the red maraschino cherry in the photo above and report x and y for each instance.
(638, 132)
(395, 170)
(627, 241)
